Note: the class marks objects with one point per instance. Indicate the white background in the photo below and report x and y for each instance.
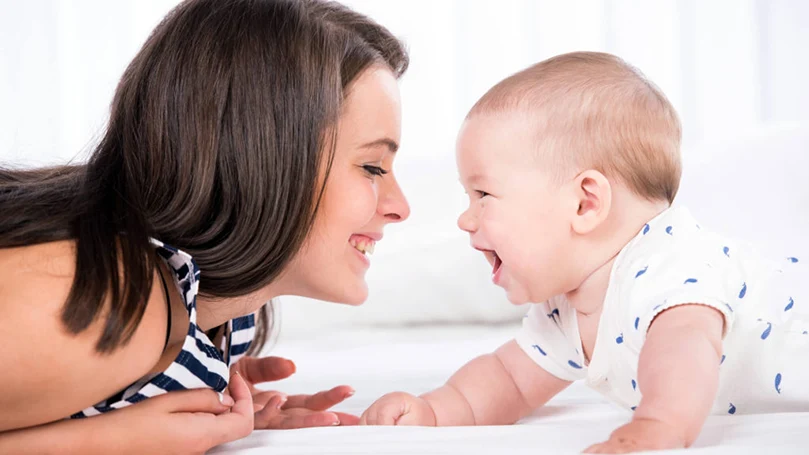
(733, 68)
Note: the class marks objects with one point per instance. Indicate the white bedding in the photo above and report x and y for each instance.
(416, 359)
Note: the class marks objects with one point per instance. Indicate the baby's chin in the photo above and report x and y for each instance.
(517, 297)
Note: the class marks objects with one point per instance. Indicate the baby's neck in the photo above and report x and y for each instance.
(627, 216)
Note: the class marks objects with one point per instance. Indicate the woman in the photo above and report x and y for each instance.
(248, 155)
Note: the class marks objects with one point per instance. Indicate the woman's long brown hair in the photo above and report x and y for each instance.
(218, 131)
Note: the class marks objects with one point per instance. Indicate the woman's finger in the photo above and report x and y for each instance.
(262, 399)
(197, 400)
(265, 369)
(320, 401)
(309, 419)
(238, 423)
(264, 418)
(347, 419)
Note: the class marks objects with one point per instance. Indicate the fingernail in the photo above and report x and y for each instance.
(281, 401)
(350, 393)
(226, 400)
(334, 424)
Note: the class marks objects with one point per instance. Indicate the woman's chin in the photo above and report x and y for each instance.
(354, 295)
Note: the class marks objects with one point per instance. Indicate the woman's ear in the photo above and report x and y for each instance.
(594, 196)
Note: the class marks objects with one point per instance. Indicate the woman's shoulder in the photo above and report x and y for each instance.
(52, 373)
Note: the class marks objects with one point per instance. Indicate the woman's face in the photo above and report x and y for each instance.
(360, 198)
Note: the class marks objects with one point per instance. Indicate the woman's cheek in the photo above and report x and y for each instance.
(362, 206)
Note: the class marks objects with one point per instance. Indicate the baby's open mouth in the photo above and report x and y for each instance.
(492, 257)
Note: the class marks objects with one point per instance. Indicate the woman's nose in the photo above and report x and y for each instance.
(393, 205)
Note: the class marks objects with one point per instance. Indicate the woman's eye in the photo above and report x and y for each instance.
(374, 170)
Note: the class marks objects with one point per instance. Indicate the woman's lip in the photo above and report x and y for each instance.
(375, 236)
(363, 258)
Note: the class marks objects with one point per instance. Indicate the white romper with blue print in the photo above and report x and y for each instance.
(673, 261)
(200, 364)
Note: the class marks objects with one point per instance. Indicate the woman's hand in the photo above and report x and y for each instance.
(275, 410)
(184, 422)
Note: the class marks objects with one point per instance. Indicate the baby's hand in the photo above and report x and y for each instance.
(639, 435)
(399, 408)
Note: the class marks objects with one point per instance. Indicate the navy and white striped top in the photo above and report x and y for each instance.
(200, 364)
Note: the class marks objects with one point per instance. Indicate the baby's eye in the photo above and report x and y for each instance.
(482, 194)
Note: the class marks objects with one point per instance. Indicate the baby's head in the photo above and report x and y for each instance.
(561, 161)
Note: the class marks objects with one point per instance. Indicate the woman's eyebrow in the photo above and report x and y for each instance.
(392, 145)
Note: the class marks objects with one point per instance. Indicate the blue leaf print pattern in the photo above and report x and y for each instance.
(574, 364)
(634, 385)
(790, 304)
(767, 331)
(690, 280)
(620, 339)
(722, 360)
(645, 229)
(778, 383)
(641, 271)
(792, 260)
(668, 230)
(633, 408)
(637, 321)
(553, 314)
(536, 346)
(743, 292)
(732, 409)
(729, 307)
(726, 250)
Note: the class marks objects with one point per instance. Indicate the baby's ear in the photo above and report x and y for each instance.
(594, 196)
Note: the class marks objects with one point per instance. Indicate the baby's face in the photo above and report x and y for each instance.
(517, 216)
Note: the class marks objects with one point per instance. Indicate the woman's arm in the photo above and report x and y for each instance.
(49, 373)
(191, 421)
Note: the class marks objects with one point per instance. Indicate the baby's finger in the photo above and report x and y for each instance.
(364, 418)
(389, 414)
(605, 447)
(320, 401)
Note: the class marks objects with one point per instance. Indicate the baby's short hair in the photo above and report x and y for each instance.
(595, 111)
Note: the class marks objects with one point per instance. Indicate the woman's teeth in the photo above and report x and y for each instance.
(363, 246)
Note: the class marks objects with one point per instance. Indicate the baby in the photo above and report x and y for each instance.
(571, 167)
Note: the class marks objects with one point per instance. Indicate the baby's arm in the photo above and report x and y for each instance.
(493, 389)
(678, 374)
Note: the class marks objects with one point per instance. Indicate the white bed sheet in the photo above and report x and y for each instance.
(417, 359)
